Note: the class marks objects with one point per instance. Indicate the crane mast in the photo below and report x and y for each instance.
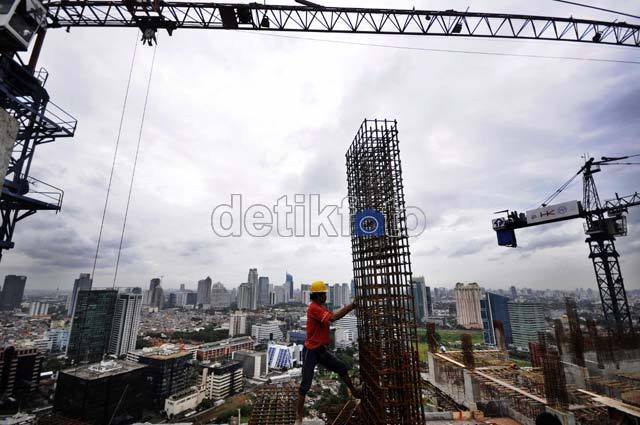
(603, 223)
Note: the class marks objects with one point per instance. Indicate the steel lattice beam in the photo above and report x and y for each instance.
(254, 16)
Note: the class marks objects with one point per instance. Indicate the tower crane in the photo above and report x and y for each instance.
(604, 221)
(25, 22)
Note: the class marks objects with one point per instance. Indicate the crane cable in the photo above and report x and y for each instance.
(135, 162)
(115, 156)
(598, 8)
(560, 189)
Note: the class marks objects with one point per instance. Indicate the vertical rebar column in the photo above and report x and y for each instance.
(467, 351)
(431, 337)
(577, 341)
(559, 334)
(555, 384)
(387, 333)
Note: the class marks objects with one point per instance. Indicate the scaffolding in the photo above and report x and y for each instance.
(387, 331)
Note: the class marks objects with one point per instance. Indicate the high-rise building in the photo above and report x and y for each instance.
(238, 324)
(19, 372)
(126, 322)
(59, 339)
(514, 293)
(82, 283)
(12, 291)
(111, 391)
(288, 281)
(526, 319)
(182, 287)
(346, 293)
(220, 297)
(420, 298)
(279, 295)
(494, 308)
(263, 291)
(245, 293)
(220, 381)
(91, 325)
(156, 294)
(429, 303)
(167, 371)
(252, 280)
(38, 308)
(468, 305)
(283, 356)
(204, 291)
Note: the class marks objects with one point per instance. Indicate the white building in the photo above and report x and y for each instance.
(183, 401)
(345, 338)
(38, 308)
(350, 322)
(282, 357)
(468, 305)
(221, 381)
(238, 324)
(126, 322)
(245, 294)
(269, 331)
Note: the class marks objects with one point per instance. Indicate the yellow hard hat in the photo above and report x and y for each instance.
(318, 286)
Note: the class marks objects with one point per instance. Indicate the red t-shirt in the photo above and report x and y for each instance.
(318, 320)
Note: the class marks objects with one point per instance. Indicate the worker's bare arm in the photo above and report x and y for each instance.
(343, 312)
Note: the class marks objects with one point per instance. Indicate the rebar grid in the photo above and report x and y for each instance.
(274, 405)
(387, 333)
(555, 385)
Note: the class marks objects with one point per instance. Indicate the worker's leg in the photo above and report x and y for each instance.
(309, 361)
(331, 362)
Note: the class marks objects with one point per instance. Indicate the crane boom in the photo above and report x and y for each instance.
(153, 15)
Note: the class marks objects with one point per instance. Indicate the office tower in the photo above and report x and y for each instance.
(192, 298)
(156, 294)
(468, 305)
(167, 372)
(20, 369)
(282, 356)
(182, 287)
(263, 291)
(233, 296)
(126, 322)
(82, 283)
(514, 293)
(252, 280)
(204, 291)
(37, 308)
(238, 324)
(527, 319)
(429, 302)
(91, 325)
(289, 285)
(353, 288)
(12, 291)
(220, 297)
(222, 381)
(346, 293)
(111, 391)
(494, 308)
(279, 294)
(245, 293)
(419, 290)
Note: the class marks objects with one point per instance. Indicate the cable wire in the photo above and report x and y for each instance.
(597, 8)
(560, 189)
(425, 49)
(135, 163)
(115, 156)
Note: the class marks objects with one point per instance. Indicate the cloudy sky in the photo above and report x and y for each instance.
(266, 116)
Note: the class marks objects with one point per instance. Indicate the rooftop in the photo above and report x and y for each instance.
(103, 369)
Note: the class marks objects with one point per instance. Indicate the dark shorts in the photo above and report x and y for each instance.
(310, 358)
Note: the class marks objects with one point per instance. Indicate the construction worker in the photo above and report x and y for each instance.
(315, 346)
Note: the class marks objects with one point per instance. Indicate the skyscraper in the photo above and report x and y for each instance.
(494, 308)
(263, 291)
(420, 298)
(514, 293)
(468, 305)
(429, 303)
(156, 294)
(204, 291)
(288, 281)
(245, 292)
(126, 322)
(527, 319)
(91, 325)
(82, 283)
(12, 291)
(252, 280)
(238, 324)
(220, 297)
